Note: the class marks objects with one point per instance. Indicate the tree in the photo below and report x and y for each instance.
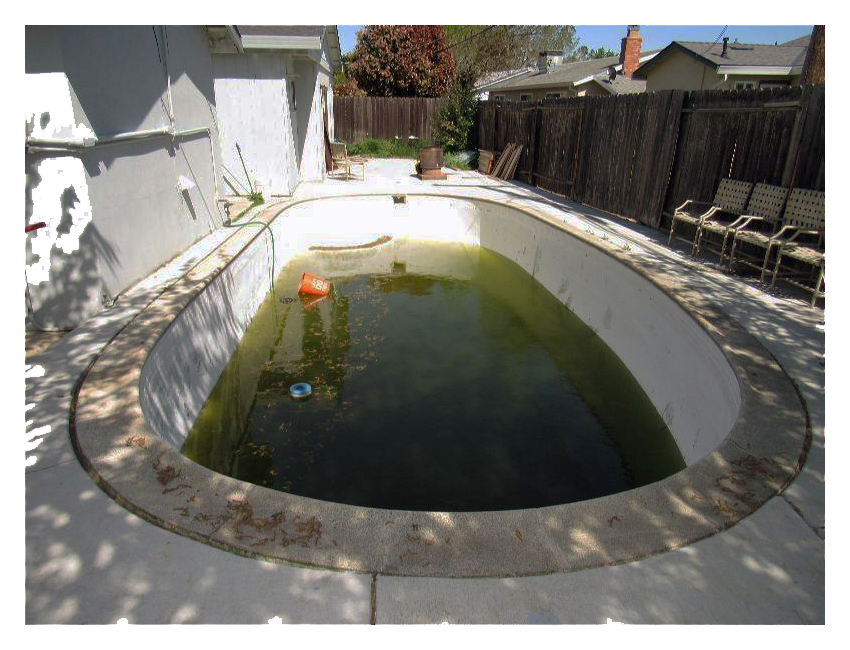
(345, 86)
(583, 53)
(482, 49)
(455, 120)
(402, 61)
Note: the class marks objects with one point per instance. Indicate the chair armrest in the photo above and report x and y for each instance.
(744, 219)
(803, 232)
(696, 203)
(682, 207)
(777, 237)
(709, 214)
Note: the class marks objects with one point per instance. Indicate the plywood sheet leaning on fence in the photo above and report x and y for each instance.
(510, 167)
(503, 159)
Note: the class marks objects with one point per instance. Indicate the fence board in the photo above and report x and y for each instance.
(749, 139)
(384, 118)
(642, 155)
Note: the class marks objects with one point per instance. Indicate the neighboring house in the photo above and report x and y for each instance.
(123, 158)
(686, 65)
(553, 79)
(483, 85)
(274, 99)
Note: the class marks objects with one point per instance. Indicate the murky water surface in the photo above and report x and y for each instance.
(444, 378)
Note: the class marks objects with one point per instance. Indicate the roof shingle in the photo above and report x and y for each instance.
(754, 54)
(564, 74)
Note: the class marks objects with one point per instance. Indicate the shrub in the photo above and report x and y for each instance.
(455, 120)
(399, 148)
(348, 88)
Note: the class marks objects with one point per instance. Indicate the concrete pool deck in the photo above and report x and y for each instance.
(767, 568)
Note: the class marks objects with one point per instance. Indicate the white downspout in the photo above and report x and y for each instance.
(721, 82)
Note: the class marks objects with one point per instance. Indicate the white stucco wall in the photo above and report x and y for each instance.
(308, 89)
(121, 204)
(253, 100)
(271, 104)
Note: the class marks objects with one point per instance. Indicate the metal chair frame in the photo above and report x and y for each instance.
(731, 197)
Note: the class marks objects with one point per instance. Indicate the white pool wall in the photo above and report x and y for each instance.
(683, 372)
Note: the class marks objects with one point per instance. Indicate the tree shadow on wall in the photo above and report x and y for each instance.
(74, 289)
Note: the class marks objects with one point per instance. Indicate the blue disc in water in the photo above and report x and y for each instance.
(300, 390)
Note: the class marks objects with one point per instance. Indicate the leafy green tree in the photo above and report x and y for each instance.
(343, 85)
(402, 61)
(456, 119)
(583, 53)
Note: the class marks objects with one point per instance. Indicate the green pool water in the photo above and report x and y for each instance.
(452, 386)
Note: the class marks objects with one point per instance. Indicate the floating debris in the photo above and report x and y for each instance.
(301, 390)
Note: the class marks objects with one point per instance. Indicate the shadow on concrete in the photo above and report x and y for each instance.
(89, 560)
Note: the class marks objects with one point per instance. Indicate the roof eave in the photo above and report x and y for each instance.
(236, 37)
(761, 70)
(334, 48)
(264, 42)
(606, 87)
(490, 84)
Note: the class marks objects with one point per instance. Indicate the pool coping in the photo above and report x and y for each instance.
(764, 451)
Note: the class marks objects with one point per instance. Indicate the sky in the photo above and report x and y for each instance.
(654, 36)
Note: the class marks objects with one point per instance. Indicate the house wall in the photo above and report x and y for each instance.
(536, 93)
(310, 137)
(591, 89)
(253, 95)
(758, 80)
(117, 212)
(270, 103)
(679, 71)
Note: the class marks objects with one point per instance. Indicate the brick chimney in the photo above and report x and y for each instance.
(630, 50)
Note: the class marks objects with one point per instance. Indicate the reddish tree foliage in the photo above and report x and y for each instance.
(348, 88)
(402, 61)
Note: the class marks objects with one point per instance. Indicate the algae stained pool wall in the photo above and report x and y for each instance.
(683, 372)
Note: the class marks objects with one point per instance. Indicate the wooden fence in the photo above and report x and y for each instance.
(641, 155)
(384, 118)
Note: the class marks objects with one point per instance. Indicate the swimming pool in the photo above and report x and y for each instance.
(736, 419)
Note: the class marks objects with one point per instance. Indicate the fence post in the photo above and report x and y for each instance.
(535, 142)
(495, 125)
(678, 98)
(790, 169)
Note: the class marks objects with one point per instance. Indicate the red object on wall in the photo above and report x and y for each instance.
(34, 226)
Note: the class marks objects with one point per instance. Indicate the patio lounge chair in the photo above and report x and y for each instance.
(758, 223)
(806, 215)
(341, 160)
(731, 197)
